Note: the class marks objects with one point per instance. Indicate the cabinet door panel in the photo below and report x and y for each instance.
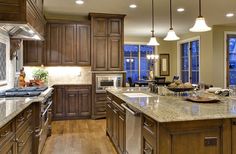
(69, 44)
(54, 45)
(234, 136)
(83, 45)
(58, 103)
(71, 104)
(9, 147)
(109, 118)
(33, 52)
(100, 53)
(115, 27)
(100, 27)
(84, 103)
(115, 126)
(115, 59)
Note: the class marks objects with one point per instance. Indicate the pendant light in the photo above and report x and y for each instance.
(171, 36)
(153, 40)
(200, 23)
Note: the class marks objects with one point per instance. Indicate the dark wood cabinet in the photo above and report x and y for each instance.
(99, 27)
(83, 45)
(233, 123)
(108, 38)
(115, 56)
(116, 124)
(115, 27)
(85, 102)
(74, 102)
(9, 147)
(71, 104)
(68, 44)
(33, 53)
(54, 44)
(58, 103)
(100, 53)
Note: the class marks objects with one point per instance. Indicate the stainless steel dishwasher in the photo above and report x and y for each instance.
(133, 130)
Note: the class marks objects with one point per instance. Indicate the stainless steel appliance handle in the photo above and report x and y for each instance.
(130, 110)
(46, 110)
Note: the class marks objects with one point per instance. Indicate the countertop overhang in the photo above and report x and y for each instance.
(175, 109)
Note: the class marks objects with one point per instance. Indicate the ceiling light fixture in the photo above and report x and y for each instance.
(171, 36)
(153, 40)
(80, 2)
(229, 15)
(180, 9)
(133, 6)
(200, 23)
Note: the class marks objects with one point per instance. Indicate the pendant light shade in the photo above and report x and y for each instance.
(171, 35)
(153, 40)
(200, 23)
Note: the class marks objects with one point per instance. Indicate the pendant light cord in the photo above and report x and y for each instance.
(153, 18)
(171, 26)
(200, 8)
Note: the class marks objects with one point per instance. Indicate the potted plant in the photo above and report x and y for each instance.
(40, 76)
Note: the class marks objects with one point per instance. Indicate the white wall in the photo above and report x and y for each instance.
(10, 64)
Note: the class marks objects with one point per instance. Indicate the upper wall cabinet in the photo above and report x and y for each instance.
(107, 41)
(33, 53)
(68, 44)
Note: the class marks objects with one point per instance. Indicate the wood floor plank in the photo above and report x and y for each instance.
(78, 137)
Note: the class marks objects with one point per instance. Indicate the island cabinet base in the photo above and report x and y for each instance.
(190, 137)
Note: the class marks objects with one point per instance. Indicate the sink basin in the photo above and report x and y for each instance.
(132, 95)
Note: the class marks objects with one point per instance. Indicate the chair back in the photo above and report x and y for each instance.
(175, 78)
(130, 81)
(160, 80)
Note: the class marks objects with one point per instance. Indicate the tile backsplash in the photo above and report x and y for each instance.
(64, 75)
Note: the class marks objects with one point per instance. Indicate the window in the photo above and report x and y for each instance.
(190, 61)
(231, 60)
(135, 62)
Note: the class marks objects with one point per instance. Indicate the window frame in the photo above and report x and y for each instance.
(226, 50)
(139, 44)
(179, 43)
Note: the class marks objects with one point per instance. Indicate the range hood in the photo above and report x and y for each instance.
(20, 31)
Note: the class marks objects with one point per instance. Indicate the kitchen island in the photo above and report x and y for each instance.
(171, 125)
(23, 126)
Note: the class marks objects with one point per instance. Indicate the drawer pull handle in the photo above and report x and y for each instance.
(21, 119)
(148, 125)
(30, 131)
(20, 143)
(147, 151)
(29, 111)
(5, 134)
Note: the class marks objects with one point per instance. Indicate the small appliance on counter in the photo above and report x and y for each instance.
(23, 92)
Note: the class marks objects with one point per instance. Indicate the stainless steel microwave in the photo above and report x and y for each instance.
(104, 81)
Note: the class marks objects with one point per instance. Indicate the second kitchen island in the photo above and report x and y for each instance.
(168, 124)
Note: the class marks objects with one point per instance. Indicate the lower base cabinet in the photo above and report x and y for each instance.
(115, 119)
(18, 135)
(71, 102)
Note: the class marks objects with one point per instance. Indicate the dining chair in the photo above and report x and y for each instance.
(131, 84)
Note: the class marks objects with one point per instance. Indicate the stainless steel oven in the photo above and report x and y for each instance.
(104, 81)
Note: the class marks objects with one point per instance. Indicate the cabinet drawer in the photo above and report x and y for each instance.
(147, 147)
(22, 140)
(23, 117)
(6, 132)
(100, 109)
(101, 97)
(149, 125)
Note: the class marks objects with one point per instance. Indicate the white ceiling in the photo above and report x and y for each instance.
(138, 21)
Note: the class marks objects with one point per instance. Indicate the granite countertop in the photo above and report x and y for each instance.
(173, 108)
(10, 107)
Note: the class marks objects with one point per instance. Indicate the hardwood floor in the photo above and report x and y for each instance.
(78, 137)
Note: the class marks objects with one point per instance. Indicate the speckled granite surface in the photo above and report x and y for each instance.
(172, 108)
(11, 107)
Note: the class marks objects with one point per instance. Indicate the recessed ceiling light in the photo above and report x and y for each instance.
(229, 15)
(180, 9)
(132, 6)
(80, 2)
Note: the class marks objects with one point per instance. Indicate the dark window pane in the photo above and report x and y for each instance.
(184, 75)
(232, 60)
